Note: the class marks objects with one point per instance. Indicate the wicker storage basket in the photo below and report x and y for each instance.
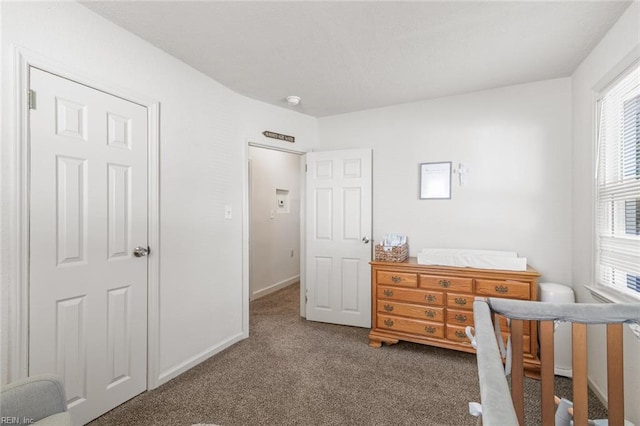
(391, 254)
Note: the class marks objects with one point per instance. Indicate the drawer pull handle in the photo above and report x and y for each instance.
(430, 314)
(430, 298)
(461, 318)
(388, 308)
(388, 293)
(388, 323)
(502, 289)
(445, 283)
(396, 279)
(429, 329)
(461, 334)
(460, 301)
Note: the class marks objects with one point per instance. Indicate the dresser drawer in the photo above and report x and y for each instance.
(428, 313)
(460, 301)
(459, 318)
(457, 334)
(401, 279)
(506, 289)
(412, 326)
(434, 298)
(526, 342)
(464, 285)
(526, 325)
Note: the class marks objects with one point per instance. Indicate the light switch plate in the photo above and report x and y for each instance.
(228, 213)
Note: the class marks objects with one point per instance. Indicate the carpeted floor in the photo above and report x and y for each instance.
(294, 372)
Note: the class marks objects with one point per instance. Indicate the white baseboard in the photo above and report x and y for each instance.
(197, 359)
(599, 393)
(275, 287)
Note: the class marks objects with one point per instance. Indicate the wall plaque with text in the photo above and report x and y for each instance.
(279, 136)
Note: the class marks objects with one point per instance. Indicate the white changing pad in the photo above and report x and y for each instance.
(470, 258)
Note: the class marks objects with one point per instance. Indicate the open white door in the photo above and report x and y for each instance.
(88, 212)
(338, 232)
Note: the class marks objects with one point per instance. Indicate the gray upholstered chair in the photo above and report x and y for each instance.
(35, 400)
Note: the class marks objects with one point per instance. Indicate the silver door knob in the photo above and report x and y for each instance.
(365, 240)
(141, 251)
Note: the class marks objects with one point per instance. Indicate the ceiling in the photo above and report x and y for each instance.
(348, 56)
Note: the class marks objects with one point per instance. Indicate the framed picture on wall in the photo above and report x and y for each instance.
(435, 181)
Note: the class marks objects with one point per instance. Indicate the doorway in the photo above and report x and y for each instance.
(274, 219)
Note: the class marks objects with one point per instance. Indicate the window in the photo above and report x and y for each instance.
(618, 186)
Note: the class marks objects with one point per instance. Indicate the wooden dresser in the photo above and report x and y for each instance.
(433, 305)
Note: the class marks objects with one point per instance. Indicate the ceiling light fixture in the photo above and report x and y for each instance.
(293, 100)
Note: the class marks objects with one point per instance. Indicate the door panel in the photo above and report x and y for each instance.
(70, 343)
(71, 183)
(88, 210)
(119, 210)
(338, 277)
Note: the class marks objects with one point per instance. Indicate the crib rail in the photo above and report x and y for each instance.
(494, 389)
(503, 407)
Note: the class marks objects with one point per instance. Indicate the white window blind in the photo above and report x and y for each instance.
(618, 186)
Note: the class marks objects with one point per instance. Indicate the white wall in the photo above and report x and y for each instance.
(275, 230)
(516, 143)
(610, 57)
(203, 134)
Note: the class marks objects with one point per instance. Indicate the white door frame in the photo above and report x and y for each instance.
(245, 228)
(17, 210)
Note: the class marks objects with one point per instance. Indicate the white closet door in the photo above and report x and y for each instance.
(88, 211)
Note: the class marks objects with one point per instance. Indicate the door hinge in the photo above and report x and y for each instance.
(31, 99)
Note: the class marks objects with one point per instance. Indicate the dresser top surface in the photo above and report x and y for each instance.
(412, 264)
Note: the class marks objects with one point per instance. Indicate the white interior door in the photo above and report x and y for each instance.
(338, 230)
(88, 210)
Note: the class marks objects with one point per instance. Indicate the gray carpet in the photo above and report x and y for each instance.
(294, 372)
